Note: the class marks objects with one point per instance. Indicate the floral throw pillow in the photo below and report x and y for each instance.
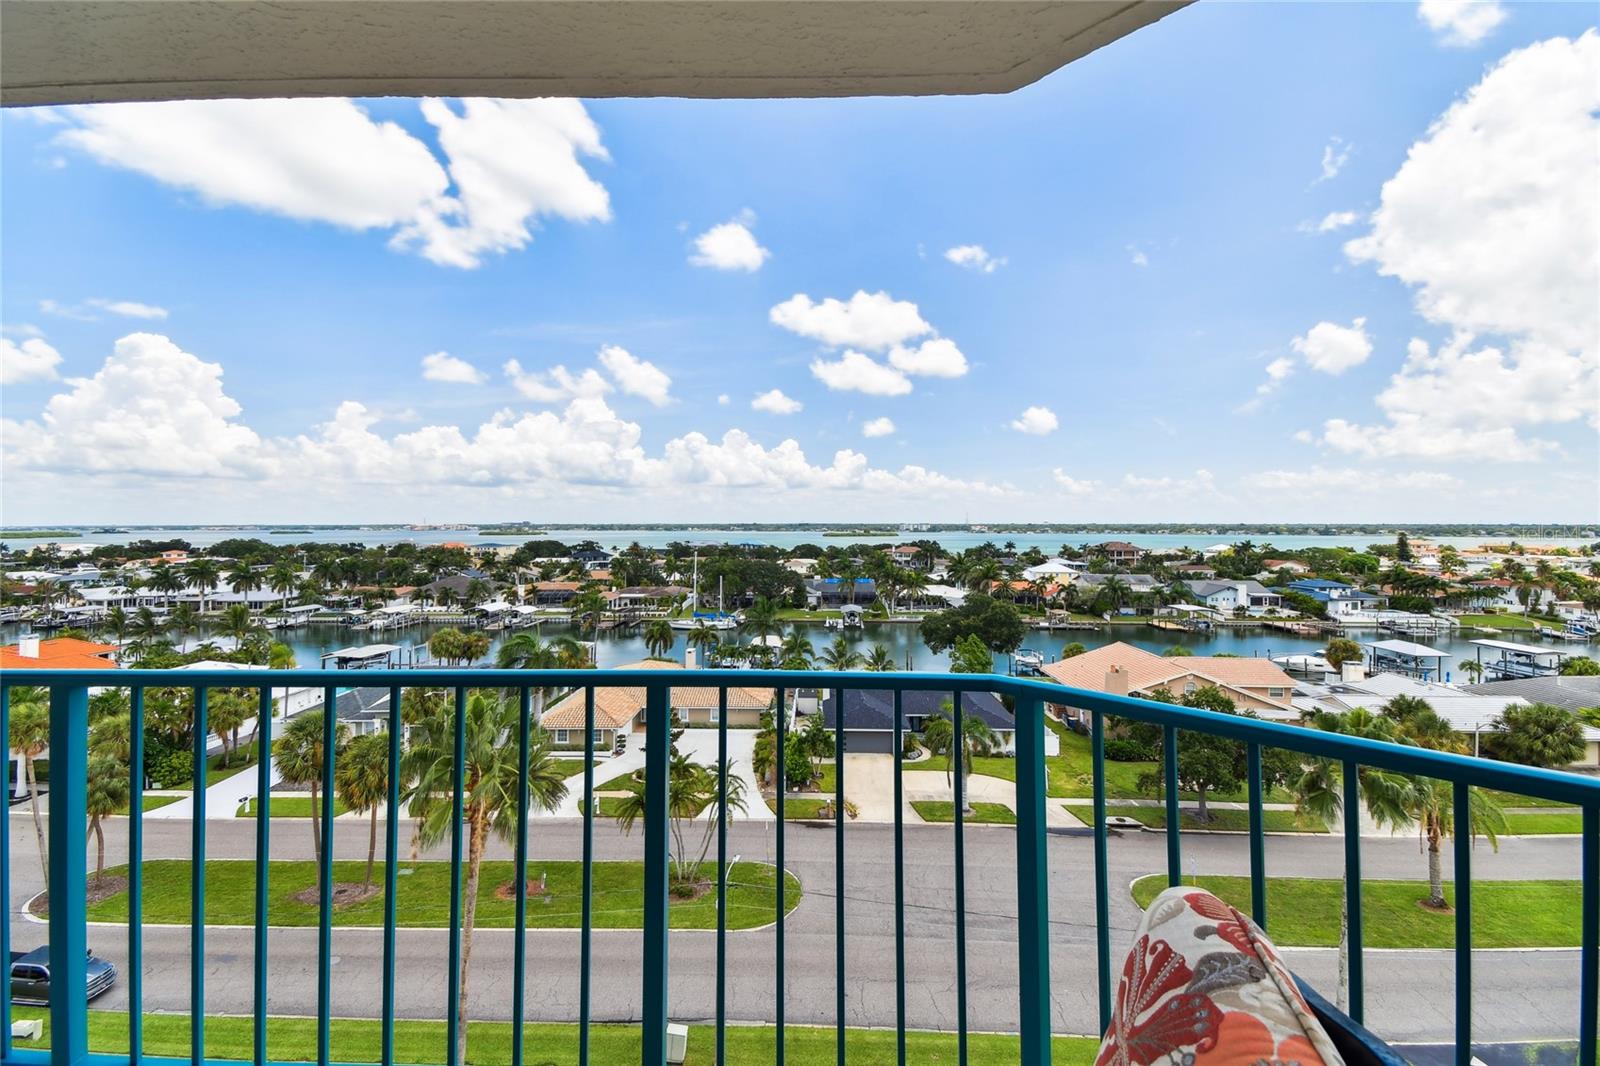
(1203, 986)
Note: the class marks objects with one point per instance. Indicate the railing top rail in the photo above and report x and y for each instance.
(1510, 777)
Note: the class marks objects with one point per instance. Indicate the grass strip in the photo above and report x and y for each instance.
(1304, 912)
(423, 900)
(981, 813)
(547, 1044)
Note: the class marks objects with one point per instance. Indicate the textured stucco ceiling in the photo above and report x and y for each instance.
(82, 51)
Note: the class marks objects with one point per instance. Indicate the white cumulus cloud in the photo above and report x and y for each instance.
(1493, 221)
(871, 321)
(1074, 486)
(730, 245)
(856, 372)
(556, 385)
(506, 164)
(1331, 348)
(442, 366)
(974, 257)
(635, 376)
(31, 360)
(937, 357)
(1036, 421)
(1461, 23)
(774, 402)
(878, 427)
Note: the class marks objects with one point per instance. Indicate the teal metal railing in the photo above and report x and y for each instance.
(69, 725)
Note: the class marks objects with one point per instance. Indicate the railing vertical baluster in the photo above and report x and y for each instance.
(958, 755)
(1352, 885)
(5, 870)
(658, 768)
(258, 1024)
(899, 883)
(135, 877)
(519, 950)
(457, 815)
(1589, 961)
(722, 873)
(1258, 839)
(1463, 881)
(777, 928)
(330, 734)
(1102, 895)
(69, 779)
(838, 876)
(1033, 921)
(391, 869)
(585, 940)
(197, 881)
(1169, 762)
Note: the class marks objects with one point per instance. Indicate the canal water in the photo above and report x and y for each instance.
(904, 643)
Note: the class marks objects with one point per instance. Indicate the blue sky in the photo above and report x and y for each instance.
(1155, 328)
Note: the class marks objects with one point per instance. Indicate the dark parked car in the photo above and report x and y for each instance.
(30, 976)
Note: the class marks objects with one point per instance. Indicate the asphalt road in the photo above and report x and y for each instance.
(1410, 994)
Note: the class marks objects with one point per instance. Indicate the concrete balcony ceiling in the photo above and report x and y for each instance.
(86, 51)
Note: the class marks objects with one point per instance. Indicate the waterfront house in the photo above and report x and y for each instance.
(869, 717)
(620, 711)
(826, 592)
(1257, 685)
(1228, 596)
(1342, 602)
(1119, 552)
(1569, 693)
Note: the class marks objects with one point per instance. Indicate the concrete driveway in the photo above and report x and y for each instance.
(700, 745)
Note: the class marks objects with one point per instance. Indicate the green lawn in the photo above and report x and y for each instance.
(571, 767)
(606, 806)
(423, 900)
(238, 762)
(1304, 912)
(981, 813)
(1496, 621)
(489, 1043)
(150, 803)
(1568, 821)
(620, 783)
(799, 809)
(293, 807)
(824, 784)
(1225, 821)
(1070, 775)
(1511, 800)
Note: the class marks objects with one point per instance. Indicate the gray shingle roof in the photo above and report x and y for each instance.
(1573, 693)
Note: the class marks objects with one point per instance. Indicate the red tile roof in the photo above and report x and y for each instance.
(61, 653)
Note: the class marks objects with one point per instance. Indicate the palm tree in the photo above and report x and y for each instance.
(703, 639)
(147, 627)
(183, 622)
(1472, 668)
(167, 581)
(298, 753)
(283, 578)
(762, 619)
(491, 780)
(525, 651)
(879, 660)
(106, 795)
(981, 575)
(238, 623)
(847, 571)
(30, 738)
(939, 737)
(796, 652)
(588, 608)
(840, 656)
(658, 638)
(691, 788)
(361, 779)
(118, 623)
(1319, 794)
(202, 576)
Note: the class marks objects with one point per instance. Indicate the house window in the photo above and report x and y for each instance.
(561, 736)
(1190, 686)
(714, 714)
(597, 738)
(1275, 693)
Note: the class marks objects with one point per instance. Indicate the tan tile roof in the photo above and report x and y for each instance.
(615, 707)
(1147, 671)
